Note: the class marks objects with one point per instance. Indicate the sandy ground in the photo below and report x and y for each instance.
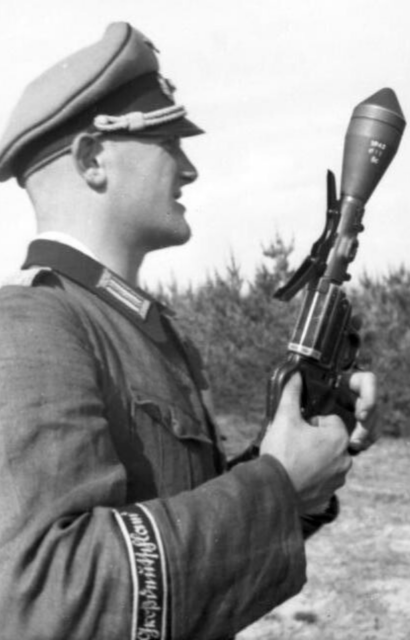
(359, 568)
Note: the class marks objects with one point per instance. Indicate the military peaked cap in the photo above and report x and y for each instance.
(113, 85)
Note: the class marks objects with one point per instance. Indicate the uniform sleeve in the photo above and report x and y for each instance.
(76, 562)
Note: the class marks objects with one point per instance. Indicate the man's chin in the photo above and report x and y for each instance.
(179, 239)
(175, 238)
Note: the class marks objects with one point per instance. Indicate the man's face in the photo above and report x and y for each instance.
(147, 182)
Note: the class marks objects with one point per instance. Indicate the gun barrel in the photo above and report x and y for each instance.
(346, 243)
(322, 321)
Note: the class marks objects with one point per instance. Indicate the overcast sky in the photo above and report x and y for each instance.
(273, 82)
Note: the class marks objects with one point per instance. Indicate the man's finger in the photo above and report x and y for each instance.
(363, 437)
(364, 384)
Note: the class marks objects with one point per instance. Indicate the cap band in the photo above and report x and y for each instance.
(138, 120)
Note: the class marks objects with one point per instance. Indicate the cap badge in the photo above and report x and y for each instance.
(166, 87)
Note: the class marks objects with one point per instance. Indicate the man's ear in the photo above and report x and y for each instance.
(86, 151)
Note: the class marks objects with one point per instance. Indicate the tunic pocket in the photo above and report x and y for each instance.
(183, 425)
(170, 450)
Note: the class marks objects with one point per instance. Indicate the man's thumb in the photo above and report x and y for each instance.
(290, 400)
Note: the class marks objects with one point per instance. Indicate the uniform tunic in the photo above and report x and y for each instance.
(116, 522)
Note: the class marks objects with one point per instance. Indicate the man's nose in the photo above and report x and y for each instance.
(187, 170)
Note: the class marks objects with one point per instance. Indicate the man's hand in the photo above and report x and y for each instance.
(367, 427)
(315, 457)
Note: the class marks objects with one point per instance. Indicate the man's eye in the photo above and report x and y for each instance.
(171, 144)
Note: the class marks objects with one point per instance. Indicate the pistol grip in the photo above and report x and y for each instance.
(319, 398)
(276, 384)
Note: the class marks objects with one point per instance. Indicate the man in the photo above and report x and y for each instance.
(119, 519)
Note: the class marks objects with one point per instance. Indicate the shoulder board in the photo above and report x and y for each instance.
(25, 277)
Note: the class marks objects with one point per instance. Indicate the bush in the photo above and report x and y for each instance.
(384, 304)
(240, 330)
